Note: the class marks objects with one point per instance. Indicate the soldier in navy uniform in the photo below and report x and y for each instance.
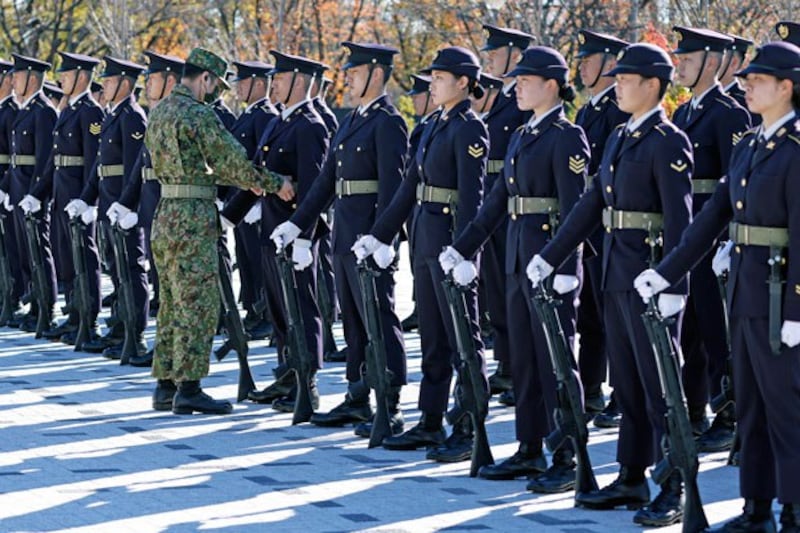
(491, 87)
(321, 86)
(8, 111)
(293, 145)
(54, 93)
(446, 178)
(544, 174)
(361, 175)
(734, 60)
(597, 53)
(642, 191)
(31, 143)
(75, 140)
(759, 198)
(141, 197)
(503, 48)
(121, 141)
(714, 123)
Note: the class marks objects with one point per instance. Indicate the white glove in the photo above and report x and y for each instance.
(128, 221)
(226, 224)
(649, 283)
(220, 204)
(285, 234)
(449, 258)
(722, 259)
(365, 246)
(3, 195)
(301, 254)
(116, 211)
(76, 207)
(7, 203)
(254, 215)
(30, 204)
(564, 283)
(464, 273)
(671, 304)
(384, 255)
(90, 215)
(790, 333)
(538, 269)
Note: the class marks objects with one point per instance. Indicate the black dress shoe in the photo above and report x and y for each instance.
(15, 321)
(507, 398)
(190, 398)
(666, 509)
(142, 361)
(622, 491)
(594, 404)
(500, 381)
(420, 436)
(338, 357)
(153, 309)
(558, 478)
(101, 343)
(115, 352)
(698, 420)
(286, 404)
(610, 417)
(527, 461)
(747, 523)
(456, 448)
(720, 435)
(163, 395)
(280, 388)
(108, 299)
(350, 411)
(260, 330)
(396, 423)
(411, 322)
(54, 334)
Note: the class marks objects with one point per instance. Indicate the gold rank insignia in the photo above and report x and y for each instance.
(678, 36)
(737, 137)
(476, 151)
(94, 128)
(797, 289)
(783, 31)
(577, 164)
(770, 145)
(636, 134)
(581, 38)
(137, 135)
(621, 54)
(678, 166)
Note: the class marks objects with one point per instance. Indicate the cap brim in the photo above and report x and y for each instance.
(489, 48)
(620, 69)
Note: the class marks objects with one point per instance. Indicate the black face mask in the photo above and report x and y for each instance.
(212, 97)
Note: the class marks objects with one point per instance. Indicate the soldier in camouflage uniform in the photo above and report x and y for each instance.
(192, 152)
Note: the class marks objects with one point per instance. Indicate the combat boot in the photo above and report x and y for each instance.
(593, 402)
(285, 404)
(70, 338)
(427, 432)
(558, 478)
(527, 461)
(336, 357)
(698, 419)
(790, 518)
(411, 322)
(142, 361)
(457, 447)
(629, 489)
(113, 336)
(190, 398)
(163, 395)
(666, 509)
(720, 435)
(610, 417)
(281, 387)
(354, 408)
(500, 381)
(755, 518)
(396, 421)
(115, 351)
(70, 325)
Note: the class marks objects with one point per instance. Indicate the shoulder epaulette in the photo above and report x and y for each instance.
(619, 126)
(558, 125)
(520, 127)
(723, 102)
(659, 130)
(795, 139)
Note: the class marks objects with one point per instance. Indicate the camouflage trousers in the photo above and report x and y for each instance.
(184, 245)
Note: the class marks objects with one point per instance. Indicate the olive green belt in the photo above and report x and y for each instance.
(200, 192)
(5, 159)
(60, 160)
(494, 166)
(23, 160)
(758, 235)
(353, 187)
(437, 195)
(704, 186)
(613, 219)
(148, 174)
(110, 171)
(531, 205)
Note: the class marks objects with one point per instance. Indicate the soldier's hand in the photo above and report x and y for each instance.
(538, 269)
(128, 221)
(564, 283)
(254, 215)
(384, 255)
(225, 223)
(285, 234)
(671, 304)
(649, 283)
(116, 211)
(3, 195)
(302, 257)
(76, 207)
(790, 333)
(465, 273)
(722, 259)
(30, 204)
(365, 246)
(7, 203)
(89, 215)
(449, 258)
(286, 193)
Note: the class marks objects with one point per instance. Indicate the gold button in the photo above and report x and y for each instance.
(608, 230)
(505, 128)
(739, 204)
(511, 179)
(696, 145)
(545, 227)
(339, 163)
(266, 148)
(358, 149)
(608, 188)
(744, 182)
(294, 206)
(341, 147)
(611, 168)
(513, 216)
(445, 210)
(738, 250)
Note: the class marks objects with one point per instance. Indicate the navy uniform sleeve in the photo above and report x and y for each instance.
(571, 163)
(491, 214)
(471, 145)
(730, 131)
(132, 191)
(91, 123)
(133, 130)
(319, 196)
(45, 123)
(91, 188)
(581, 222)
(43, 188)
(390, 221)
(392, 146)
(673, 165)
(237, 207)
(311, 155)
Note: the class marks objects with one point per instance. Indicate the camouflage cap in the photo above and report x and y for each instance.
(208, 60)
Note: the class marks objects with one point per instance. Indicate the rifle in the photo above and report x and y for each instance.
(327, 310)
(102, 246)
(82, 300)
(775, 282)
(41, 294)
(379, 376)
(678, 443)
(125, 302)
(237, 337)
(569, 416)
(475, 394)
(726, 396)
(6, 277)
(298, 358)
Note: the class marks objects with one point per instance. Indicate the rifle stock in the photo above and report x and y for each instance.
(38, 276)
(125, 302)
(82, 300)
